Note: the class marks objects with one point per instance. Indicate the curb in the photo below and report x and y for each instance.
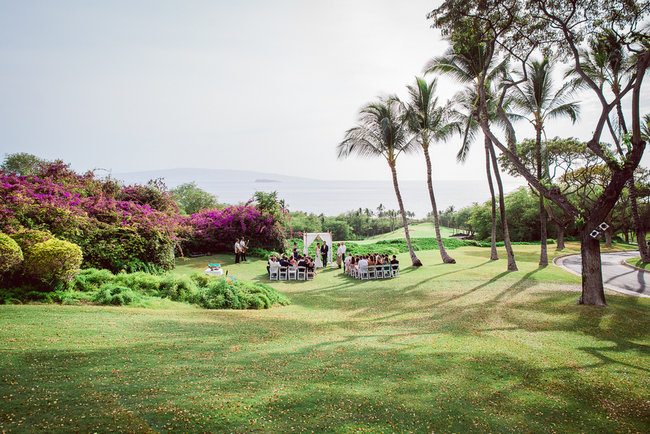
(634, 266)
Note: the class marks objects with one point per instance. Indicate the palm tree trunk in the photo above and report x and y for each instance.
(592, 276)
(443, 253)
(638, 227)
(543, 254)
(414, 259)
(512, 265)
(493, 237)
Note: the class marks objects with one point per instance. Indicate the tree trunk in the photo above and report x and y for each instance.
(543, 254)
(443, 253)
(414, 259)
(512, 265)
(608, 237)
(493, 237)
(626, 234)
(560, 237)
(592, 277)
(638, 227)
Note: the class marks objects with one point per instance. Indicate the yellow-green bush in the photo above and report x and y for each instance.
(11, 254)
(52, 261)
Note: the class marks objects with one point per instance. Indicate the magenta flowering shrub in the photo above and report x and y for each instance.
(216, 229)
(118, 228)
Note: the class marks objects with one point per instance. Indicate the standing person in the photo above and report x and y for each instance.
(237, 251)
(318, 263)
(295, 250)
(323, 252)
(339, 254)
(243, 247)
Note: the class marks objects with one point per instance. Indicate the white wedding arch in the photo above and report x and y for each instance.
(325, 237)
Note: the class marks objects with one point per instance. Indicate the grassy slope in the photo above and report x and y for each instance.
(443, 347)
(420, 230)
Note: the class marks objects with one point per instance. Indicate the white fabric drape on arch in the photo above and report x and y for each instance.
(325, 237)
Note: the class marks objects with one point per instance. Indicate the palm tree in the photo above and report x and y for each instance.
(383, 131)
(535, 97)
(466, 66)
(430, 123)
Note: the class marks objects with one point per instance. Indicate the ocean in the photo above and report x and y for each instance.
(320, 196)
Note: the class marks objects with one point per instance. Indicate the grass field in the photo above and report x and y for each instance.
(638, 263)
(451, 348)
(420, 230)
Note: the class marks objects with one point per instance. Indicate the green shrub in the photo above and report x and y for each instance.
(222, 294)
(91, 279)
(29, 237)
(11, 255)
(115, 295)
(52, 261)
(179, 288)
(141, 282)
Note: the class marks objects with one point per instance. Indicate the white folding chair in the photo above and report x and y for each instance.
(302, 273)
(283, 273)
(395, 270)
(372, 272)
(274, 274)
(379, 271)
(292, 273)
(310, 274)
(363, 273)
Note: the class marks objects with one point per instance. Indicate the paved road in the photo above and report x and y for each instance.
(618, 277)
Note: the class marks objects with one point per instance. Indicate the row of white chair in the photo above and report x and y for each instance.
(376, 272)
(291, 273)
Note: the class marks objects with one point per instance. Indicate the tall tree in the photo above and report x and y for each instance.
(470, 65)
(607, 63)
(383, 132)
(430, 123)
(517, 29)
(21, 163)
(537, 101)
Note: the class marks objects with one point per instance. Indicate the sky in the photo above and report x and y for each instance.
(247, 85)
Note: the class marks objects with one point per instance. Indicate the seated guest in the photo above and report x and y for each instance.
(284, 262)
(302, 262)
(293, 261)
(372, 260)
(394, 260)
(346, 263)
(274, 265)
(363, 263)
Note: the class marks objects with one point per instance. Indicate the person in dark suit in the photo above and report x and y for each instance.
(323, 253)
(284, 262)
(302, 262)
(394, 260)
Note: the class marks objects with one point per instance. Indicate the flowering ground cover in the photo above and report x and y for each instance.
(462, 347)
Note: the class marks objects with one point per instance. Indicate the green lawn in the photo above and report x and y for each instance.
(464, 347)
(420, 230)
(638, 263)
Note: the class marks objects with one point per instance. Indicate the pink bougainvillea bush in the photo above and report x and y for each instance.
(118, 228)
(127, 228)
(216, 230)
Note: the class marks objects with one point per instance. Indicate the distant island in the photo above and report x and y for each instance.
(266, 180)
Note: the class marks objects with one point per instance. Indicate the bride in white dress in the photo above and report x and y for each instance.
(318, 262)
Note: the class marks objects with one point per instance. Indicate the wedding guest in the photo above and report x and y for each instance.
(394, 261)
(302, 262)
(295, 250)
(274, 265)
(284, 261)
(237, 251)
(242, 248)
(346, 263)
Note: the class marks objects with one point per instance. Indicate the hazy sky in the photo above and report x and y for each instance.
(250, 85)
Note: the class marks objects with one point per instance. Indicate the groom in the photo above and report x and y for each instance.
(323, 253)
